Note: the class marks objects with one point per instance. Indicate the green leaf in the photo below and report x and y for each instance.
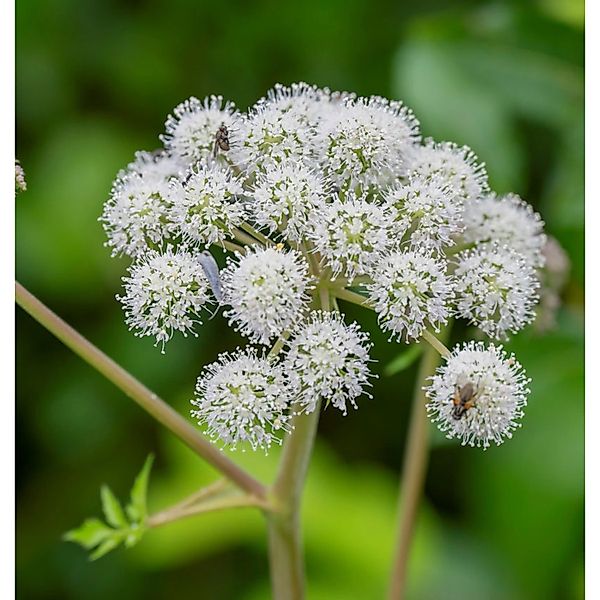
(89, 534)
(134, 535)
(137, 510)
(403, 360)
(112, 509)
(107, 545)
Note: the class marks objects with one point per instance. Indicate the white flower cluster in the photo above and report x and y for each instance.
(284, 199)
(266, 291)
(165, 292)
(328, 360)
(350, 234)
(243, 398)
(190, 130)
(495, 288)
(409, 290)
(209, 207)
(313, 191)
(478, 395)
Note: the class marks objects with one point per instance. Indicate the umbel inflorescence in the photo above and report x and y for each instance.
(318, 195)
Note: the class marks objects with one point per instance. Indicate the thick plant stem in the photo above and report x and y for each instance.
(149, 401)
(413, 475)
(285, 541)
(286, 559)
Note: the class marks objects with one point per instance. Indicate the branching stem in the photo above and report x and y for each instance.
(243, 237)
(233, 247)
(210, 505)
(149, 401)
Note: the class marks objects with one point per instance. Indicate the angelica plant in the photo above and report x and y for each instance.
(317, 198)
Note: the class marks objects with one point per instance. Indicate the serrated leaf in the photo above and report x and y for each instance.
(137, 510)
(403, 360)
(112, 509)
(107, 545)
(89, 534)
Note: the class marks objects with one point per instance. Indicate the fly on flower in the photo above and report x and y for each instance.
(221, 140)
(463, 399)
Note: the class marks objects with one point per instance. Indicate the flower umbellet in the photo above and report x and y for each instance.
(265, 291)
(319, 195)
(498, 394)
(165, 292)
(328, 360)
(243, 397)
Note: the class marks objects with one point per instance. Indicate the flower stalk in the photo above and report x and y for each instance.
(286, 560)
(209, 502)
(138, 392)
(285, 539)
(413, 472)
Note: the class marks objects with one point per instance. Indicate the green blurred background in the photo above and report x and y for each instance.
(95, 81)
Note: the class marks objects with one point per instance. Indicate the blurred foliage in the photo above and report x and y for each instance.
(95, 80)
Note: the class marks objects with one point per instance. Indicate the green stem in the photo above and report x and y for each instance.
(232, 247)
(413, 472)
(149, 401)
(435, 343)
(344, 294)
(243, 237)
(453, 250)
(278, 345)
(209, 505)
(324, 297)
(263, 239)
(285, 541)
(286, 561)
(216, 488)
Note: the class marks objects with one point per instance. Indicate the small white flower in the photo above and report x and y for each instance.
(351, 235)
(506, 220)
(364, 144)
(20, 183)
(266, 292)
(457, 165)
(284, 196)
(494, 387)
(327, 104)
(164, 293)
(328, 360)
(409, 290)
(136, 216)
(276, 129)
(241, 398)
(210, 206)
(496, 289)
(301, 98)
(156, 165)
(191, 129)
(425, 209)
